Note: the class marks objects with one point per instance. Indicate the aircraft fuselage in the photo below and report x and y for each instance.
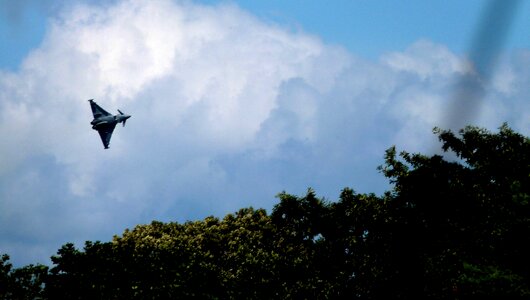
(108, 120)
(104, 122)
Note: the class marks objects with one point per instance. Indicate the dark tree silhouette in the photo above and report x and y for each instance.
(448, 229)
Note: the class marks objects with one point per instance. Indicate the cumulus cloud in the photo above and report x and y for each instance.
(227, 111)
(426, 59)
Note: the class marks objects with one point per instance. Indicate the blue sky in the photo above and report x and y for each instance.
(367, 28)
(231, 103)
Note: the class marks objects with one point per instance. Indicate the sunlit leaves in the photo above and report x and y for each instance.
(448, 229)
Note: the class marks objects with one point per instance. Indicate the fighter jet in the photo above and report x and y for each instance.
(104, 122)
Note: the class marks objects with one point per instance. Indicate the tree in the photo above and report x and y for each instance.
(299, 223)
(461, 227)
(21, 283)
(232, 258)
(449, 228)
(5, 270)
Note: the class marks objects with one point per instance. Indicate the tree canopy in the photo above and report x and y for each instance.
(449, 228)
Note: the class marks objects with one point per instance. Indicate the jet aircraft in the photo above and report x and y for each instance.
(105, 123)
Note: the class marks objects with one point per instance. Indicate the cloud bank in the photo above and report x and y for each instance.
(227, 111)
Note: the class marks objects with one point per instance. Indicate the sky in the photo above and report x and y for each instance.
(233, 102)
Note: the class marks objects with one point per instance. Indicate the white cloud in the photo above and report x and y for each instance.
(426, 59)
(227, 111)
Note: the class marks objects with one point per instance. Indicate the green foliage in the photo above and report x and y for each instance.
(485, 281)
(5, 270)
(452, 215)
(21, 283)
(447, 230)
(231, 258)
